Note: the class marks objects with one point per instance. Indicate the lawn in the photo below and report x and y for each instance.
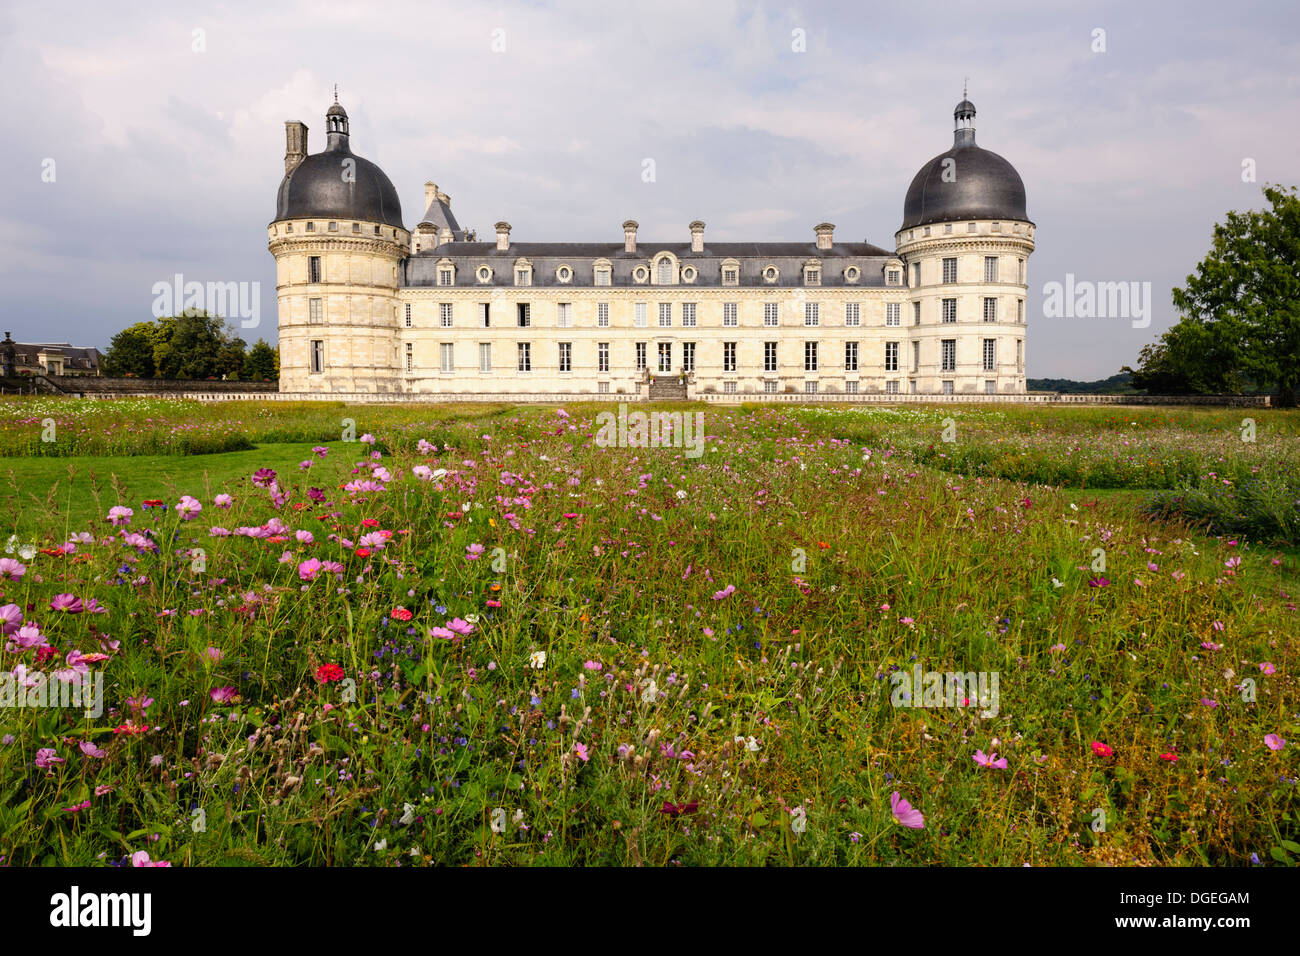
(480, 636)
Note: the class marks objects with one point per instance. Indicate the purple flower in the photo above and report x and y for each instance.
(1274, 742)
(67, 602)
(263, 477)
(45, 758)
(90, 750)
(990, 760)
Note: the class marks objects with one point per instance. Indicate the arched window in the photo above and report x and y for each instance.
(664, 275)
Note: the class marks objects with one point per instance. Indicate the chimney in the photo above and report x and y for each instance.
(825, 235)
(503, 236)
(629, 235)
(430, 194)
(295, 144)
(445, 235)
(444, 198)
(697, 236)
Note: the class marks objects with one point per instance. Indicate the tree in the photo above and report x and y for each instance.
(260, 366)
(193, 345)
(131, 352)
(1241, 307)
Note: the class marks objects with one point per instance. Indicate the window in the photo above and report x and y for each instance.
(770, 386)
(313, 312)
(408, 314)
(525, 315)
(484, 274)
(810, 388)
(688, 315)
(602, 278)
(313, 267)
(916, 273)
(770, 274)
(852, 313)
(769, 356)
(949, 355)
(485, 314)
(893, 313)
(990, 268)
(446, 351)
(602, 356)
(563, 315)
(602, 388)
(950, 270)
(525, 357)
(1020, 310)
(811, 313)
(990, 387)
(812, 275)
(444, 314)
(665, 356)
(564, 273)
(851, 388)
(851, 274)
(730, 311)
(731, 276)
(1020, 355)
(990, 355)
(317, 355)
(410, 358)
(771, 314)
(602, 315)
(728, 356)
(334, 227)
(729, 388)
(665, 315)
(891, 388)
(911, 386)
(950, 310)
(485, 357)
(850, 356)
(810, 356)
(664, 271)
(990, 310)
(688, 356)
(947, 387)
(688, 274)
(1020, 271)
(997, 227)
(891, 356)
(311, 227)
(639, 313)
(640, 273)
(523, 276)
(566, 356)
(640, 356)
(947, 229)
(444, 276)
(893, 277)
(916, 357)
(916, 313)
(971, 227)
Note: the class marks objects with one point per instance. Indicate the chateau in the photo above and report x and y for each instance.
(367, 306)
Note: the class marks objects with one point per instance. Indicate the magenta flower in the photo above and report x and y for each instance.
(1266, 667)
(263, 477)
(321, 450)
(1274, 742)
(725, 593)
(77, 807)
(460, 626)
(11, 569)
(11, 618)
(67, 602)
(581, 750)
(308, 569)
(304, 536)
(442, 633)
(223, 695)
(1098, 582)
(141, 858)
(592, 665)
(1209, 702)
(990, 760)
(188, 508)
(904, 812)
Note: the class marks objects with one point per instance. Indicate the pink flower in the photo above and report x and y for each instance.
(141, 858)
(45, 758)
(223, 501)
(725, 593)
(90, 750)
(67, 602)
(473, 552)
(1209, 702)
(308, 569)
(304, 536)
(213, 654)
(1266, 667)
(460, 626)
(188, 508)
(1274, 742)
(904, 813)
(581, 750)
(11, 617)
(1100, 749)
(990, 760)
(223, 695)
(117, 515)
(592, 665)
(11, 569)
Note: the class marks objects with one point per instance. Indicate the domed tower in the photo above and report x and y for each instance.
(966, 240)
(338, 242)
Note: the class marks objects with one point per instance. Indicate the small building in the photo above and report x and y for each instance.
(47, 358)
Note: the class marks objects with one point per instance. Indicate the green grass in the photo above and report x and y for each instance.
(852, 557)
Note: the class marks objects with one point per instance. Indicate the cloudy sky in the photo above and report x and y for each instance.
(168, 145)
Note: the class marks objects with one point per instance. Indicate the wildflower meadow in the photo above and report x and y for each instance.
(314, 634)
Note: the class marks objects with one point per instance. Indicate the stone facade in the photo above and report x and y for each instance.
(367, 307)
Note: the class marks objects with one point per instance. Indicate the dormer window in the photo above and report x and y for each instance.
(603, 273)
(664, 271)
(851, 274)
(564, 274)
(484, 274)
(812, 275)
(688, 274)
(640, 273)
(731, 276)
(445, 274)
(523, 272)
(893, 277)
(770, 274)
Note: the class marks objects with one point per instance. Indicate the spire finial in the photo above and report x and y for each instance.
(964, 82)
(336, 92)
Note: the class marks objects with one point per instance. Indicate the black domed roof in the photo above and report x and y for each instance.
(976, 184)
(338, 184)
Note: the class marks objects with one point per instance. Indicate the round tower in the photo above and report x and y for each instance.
(339, 245)
(966, 240)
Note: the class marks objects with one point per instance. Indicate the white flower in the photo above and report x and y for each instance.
(750, 743)
(1057, 584)
(651, 693)
(1073, 506)
(798, 820)
(537, 660)
(439, 473)
(681, 494)
(499, 820)
(381, 846)
(408, 815)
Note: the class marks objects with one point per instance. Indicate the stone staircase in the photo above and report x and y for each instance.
(666, 388)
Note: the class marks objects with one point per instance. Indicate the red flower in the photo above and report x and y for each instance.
(455, 514)
(1100, 749)
(675, 809)
(329, 672)
(131, 728)
(362, 552)
(369, 523)
(1172, 758)
(400, 614)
